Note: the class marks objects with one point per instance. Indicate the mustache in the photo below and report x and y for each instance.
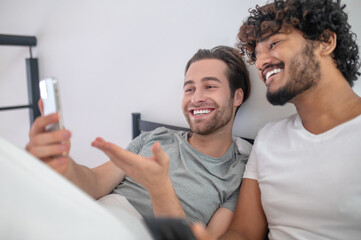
(277, 65)
(207, 104)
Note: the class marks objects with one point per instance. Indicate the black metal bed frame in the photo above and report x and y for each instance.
(32, 72)
(139, 125)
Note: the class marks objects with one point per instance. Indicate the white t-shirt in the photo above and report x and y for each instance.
(310, 184)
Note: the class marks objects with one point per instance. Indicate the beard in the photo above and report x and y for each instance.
(221, 118)
(304, 70)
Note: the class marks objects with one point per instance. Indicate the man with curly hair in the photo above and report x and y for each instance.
(302, 180)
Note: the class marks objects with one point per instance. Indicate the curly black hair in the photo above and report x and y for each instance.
(314, 18)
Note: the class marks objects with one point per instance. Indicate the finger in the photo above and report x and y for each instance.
(127, 160)
(40, 105)
(41, 122)
(59, 136)
(112, 149)
(51, 138)
(102, 145)
(98, 142)
(159, 154)
(50, 150)
(125, 156)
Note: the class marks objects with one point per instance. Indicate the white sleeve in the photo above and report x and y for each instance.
(251, 166)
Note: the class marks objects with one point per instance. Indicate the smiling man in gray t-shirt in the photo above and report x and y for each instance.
(201, 176)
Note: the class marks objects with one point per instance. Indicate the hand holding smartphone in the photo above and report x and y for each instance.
(50, 96)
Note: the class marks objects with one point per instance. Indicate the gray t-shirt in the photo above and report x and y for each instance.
(202, 183)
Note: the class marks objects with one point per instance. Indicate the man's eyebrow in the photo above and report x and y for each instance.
(211, 79)
(188, 82)
(205, 79)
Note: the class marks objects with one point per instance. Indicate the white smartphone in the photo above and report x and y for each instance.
(50, 96)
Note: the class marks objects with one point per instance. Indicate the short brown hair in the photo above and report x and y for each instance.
(237, 75)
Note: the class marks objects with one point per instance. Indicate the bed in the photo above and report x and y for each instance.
(139, 125)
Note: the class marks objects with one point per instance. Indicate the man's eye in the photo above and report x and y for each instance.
(210, 86)
(273, 44)
(188, 90)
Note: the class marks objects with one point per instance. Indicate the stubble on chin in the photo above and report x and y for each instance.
(211, 125)
(304, 70)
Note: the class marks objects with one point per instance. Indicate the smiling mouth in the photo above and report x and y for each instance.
(200, 112)
(272, 72)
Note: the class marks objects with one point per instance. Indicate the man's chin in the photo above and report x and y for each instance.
(199, 130)
(279, 98)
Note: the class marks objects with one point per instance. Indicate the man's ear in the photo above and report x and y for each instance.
(327, 47)
(238, 97)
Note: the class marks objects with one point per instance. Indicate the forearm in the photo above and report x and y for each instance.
(98, 181)
(84, 177)
(249, 221)
(165, 201)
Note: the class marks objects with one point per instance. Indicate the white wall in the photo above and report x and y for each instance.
(115, 57)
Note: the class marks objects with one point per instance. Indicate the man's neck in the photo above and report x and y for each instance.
(327, 105)
(215, 144)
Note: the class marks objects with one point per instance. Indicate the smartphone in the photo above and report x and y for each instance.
(169, 228)
(50, 96)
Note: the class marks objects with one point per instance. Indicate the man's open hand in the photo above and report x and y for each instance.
(149, 172)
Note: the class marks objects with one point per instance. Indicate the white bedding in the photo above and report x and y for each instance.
(37, 203)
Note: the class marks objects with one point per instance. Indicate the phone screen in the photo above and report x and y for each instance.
(50, 96)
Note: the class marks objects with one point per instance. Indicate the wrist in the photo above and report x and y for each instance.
(165, 201)
(160, 190)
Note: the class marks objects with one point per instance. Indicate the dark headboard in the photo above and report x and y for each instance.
(140, 126)
(32, 72)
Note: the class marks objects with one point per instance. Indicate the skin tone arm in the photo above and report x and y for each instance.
(220, 222)
(53, 149)
(153, 174)
(249, 222)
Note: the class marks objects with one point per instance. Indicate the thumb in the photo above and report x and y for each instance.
(40, 105)
(161, 156)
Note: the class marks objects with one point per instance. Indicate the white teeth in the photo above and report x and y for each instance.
(199, 112)
(274, 71)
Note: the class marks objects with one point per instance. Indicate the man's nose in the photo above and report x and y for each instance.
(198, 96)
(263, 57)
